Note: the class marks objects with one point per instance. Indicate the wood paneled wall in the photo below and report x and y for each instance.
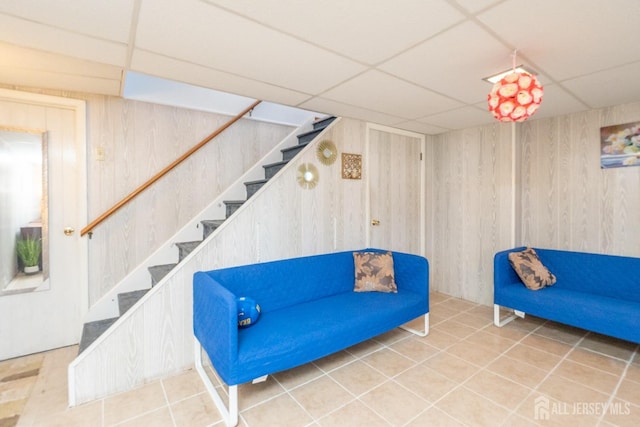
(563, 199)
(568, 201)
(469, 205)
(138, 139)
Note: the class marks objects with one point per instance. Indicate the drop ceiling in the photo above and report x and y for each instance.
(412, 64)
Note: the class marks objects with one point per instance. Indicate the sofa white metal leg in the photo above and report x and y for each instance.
(500, 323)
(229, 414)
(417, 332)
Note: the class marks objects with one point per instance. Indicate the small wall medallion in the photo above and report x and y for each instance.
(327, 152)
(307, 175)
(351, 166)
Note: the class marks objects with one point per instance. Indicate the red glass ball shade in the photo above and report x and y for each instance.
(516, 97)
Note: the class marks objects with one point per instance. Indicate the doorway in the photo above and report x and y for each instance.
(49, 314)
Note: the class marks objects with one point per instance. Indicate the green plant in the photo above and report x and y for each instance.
(29, 251)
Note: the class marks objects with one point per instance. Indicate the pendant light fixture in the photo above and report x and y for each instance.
(515, 96)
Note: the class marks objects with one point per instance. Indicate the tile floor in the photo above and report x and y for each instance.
(465, 372)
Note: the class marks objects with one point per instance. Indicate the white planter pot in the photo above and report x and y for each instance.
(33, 269)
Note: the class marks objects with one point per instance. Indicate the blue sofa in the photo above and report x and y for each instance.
(599, 293)
(309, 310)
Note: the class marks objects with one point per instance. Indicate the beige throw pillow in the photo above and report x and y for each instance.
(530, 269)
(374, 272)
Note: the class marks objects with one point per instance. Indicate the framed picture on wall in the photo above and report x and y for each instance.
(620, 145)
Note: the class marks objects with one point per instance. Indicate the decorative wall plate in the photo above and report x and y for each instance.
(327, 152)
(307, 176)
(351, 166)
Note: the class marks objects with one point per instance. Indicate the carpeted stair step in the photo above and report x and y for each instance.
(126, 300)
(272, 169)
(303, 138)
(185, 248)
(209, 226)
(232, 206)
(253, 186)
(92, 330)
(159, 271)
(290, 152)
(321, 124)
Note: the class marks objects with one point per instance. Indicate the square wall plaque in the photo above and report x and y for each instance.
(351, 166)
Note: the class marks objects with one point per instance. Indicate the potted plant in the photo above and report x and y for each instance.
(29, 252)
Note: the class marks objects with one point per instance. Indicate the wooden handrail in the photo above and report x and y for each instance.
(164, 171)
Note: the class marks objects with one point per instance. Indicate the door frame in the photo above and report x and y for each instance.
(78, 107)
(422, 138)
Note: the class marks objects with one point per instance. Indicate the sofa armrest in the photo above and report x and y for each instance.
(215, 322)
(503, 273)
(411, 273)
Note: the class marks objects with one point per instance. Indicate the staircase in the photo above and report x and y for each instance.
(92, 330)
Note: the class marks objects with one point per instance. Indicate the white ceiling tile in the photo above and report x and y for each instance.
(386, 94)
(460, 118)
(105, 19)
(169, 68)
(328, 106)
(557, 101)
(421, 127)
(367, 30)
(474, 6)
(209, 36)
(569, 38)
(49, 39)
(453, 63)
(61, 81)
(613, 86)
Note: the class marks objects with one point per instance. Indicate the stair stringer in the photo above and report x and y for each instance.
(154, 338)
(138, 279)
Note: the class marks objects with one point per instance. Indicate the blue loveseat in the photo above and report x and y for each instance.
(599, 293)
(308, 311)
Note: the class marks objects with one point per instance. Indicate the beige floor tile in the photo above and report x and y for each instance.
(451, 367)
(195, 411)
(394, 403)
(89, 414)
(439, 339)
(633, 373)
(281, 411)
(437, 298)
(629, 391)
(471, 408)
(434, 417)
(293, 378)
(13, 407)
(126, 405)
(334, 361)
(484, 311)
(388, 362)
(364, 348)
(181, 386)
(17, 389)
(517, 371)
(515, 420)
(560, 332)
(354, 414)
(479, 355)
(598, 361)
(457, 329)
(586, 375)
(609, 346)
(460, 305)
(538, 358)
(250, 394)
(441, 312)
(415, 349)
(471, 319)
(321, 396)
(570, 392)
(157, 418)
(622, 414)
(491, 341)
(392, 336)
(426, 383)
(552, 346)
(500, 390)
(358, 377)
(21, 364)
(509, 331)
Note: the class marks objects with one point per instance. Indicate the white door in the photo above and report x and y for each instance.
(396, 190)
(51, 315)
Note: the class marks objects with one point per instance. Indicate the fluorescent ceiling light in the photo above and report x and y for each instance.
(519, 69)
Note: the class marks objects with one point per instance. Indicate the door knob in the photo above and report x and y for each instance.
(68, 231)
(375, 222)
